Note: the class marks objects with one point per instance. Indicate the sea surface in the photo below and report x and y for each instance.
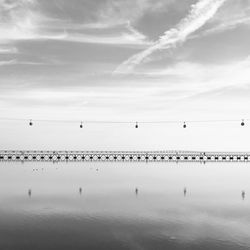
(124, 206)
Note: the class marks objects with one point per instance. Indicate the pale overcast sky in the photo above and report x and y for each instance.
(125, 60)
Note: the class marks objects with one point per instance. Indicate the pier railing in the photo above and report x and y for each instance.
(123, 156)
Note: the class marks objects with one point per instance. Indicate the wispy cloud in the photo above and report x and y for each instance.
(194, 79)
(227, 25)
(234, 14)
(126, 39)
(120, 11)
(17, 20)
(9, 62)
(8, 50)
(119, 34)
(199, 14)
(24, 20)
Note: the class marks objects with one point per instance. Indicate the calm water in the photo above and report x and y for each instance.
(124, 206)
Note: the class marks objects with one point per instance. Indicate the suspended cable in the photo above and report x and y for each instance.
(31, 121)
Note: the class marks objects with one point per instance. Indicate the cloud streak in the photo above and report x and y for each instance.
(227, 25)
(17, 20)
(24, 21)
(199, 14)
(8, 50)
(123, 34)
(9, 62)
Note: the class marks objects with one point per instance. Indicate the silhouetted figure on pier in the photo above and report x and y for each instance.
(80, 190)
(136, 191)
(29, 192)
(243, 194)
(185, 191)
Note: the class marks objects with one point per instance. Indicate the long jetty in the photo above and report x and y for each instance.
(122, 156)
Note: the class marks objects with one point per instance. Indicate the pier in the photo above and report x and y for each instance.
(123, 156)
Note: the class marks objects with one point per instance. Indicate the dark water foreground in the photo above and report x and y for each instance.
(124, 206)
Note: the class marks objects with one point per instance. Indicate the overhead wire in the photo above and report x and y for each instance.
(32, 121)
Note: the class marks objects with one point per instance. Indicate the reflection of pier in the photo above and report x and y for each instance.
(123, 156)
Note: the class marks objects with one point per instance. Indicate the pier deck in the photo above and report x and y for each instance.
(122, 156)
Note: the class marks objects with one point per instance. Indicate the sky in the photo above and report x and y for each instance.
(124, 60)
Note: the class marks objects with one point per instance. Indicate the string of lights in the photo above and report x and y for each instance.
(31, 122)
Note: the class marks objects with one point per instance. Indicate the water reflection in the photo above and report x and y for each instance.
(185, 192)
(29, 192)
(110, 217)
(243, 193)
(136, 191)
